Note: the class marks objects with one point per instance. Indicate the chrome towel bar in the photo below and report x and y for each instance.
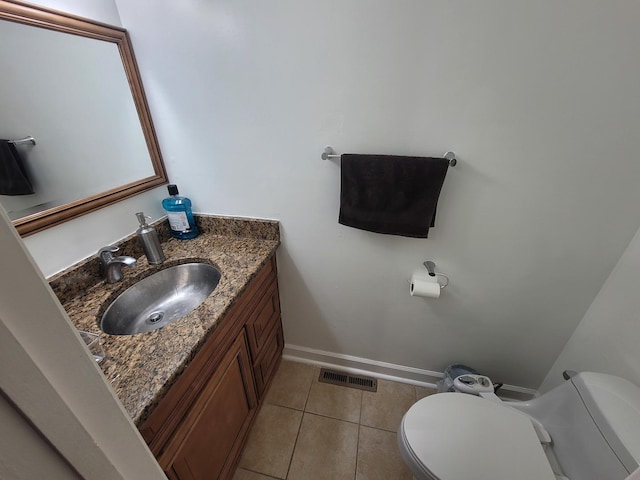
(329, 153)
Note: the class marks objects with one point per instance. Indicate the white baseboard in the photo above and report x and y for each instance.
(383, 370)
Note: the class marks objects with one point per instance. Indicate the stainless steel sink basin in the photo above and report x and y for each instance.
(160, 299)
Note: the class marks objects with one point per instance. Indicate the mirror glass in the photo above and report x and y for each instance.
(73, 86)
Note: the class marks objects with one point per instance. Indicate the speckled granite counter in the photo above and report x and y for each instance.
(142, 367)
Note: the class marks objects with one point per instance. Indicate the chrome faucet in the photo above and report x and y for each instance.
(113, 265)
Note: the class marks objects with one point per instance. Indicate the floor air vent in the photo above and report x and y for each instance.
(346, 380)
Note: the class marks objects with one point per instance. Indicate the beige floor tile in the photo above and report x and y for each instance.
(422, 392)
(378, 456)
(384, 409)
(271, 441)
(326, 450)
(335, 401)
(291, 384)
(248, 475)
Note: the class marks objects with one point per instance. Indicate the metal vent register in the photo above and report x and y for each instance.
(346, 380)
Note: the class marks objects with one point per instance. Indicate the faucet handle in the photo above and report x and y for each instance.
(106, 253)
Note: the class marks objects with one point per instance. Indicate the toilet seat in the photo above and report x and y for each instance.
(453, 436)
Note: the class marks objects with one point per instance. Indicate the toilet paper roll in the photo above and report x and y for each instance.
(424, 286)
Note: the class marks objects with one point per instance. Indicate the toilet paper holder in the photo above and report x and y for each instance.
(431, 268)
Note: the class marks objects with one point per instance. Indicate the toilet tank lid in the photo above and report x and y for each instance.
(614, 405)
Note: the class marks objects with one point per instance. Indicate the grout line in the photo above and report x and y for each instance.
(259, 473)
(336, 420)
(357, 422)
(295, 444)
(355, 474)
(332, 418)
(284, 406)
(380, 429)
(314, 379)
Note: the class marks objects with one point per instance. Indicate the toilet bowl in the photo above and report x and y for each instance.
(588, 428)
(452, 436)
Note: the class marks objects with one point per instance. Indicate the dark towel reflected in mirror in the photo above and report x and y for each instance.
(14, 179)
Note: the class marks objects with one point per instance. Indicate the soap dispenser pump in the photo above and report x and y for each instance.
(148, 238)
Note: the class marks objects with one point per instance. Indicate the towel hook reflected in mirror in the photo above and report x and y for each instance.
(24, 141)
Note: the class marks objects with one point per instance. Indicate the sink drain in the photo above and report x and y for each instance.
(155, 317)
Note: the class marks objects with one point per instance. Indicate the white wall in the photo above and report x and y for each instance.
(104, 11)
(24, 454)
(47, 372)
(608, 336)
(538, 99)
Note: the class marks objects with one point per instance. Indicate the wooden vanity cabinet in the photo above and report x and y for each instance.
(216, 424)
(199, 428)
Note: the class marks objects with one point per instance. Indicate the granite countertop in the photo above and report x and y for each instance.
(142, 367)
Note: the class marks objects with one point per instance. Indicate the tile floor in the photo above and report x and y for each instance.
(308, 430)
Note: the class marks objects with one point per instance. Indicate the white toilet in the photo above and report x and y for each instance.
(588, 428)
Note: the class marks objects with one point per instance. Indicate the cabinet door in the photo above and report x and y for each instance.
(215, 430)
(263, 319)
(265, 366)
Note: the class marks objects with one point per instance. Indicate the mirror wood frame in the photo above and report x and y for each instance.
(16, 11)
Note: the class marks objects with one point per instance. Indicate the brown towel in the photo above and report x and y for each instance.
(391, 194)
(13, 175)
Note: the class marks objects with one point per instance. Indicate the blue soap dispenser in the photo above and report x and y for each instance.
(181, 220)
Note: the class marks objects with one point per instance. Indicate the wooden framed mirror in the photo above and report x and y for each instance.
(73, 85)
